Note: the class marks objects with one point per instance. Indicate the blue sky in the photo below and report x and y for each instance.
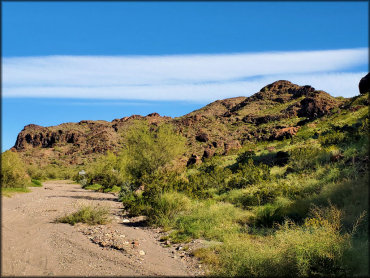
(72, 61)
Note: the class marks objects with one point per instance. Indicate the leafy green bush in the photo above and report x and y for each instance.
(91, 215)
(333, 138)
(208, 177)
(114, 189)
(245, 156)
(106, 172)
(148, 150)
(304, 133)
(51, 171)
(35, 172)
(167, 207)
(154, 187)
(272, 213)
(258, 195)
(249, 174)
(304, 158)
(13, 172)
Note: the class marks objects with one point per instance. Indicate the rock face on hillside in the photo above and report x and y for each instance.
(275, 112)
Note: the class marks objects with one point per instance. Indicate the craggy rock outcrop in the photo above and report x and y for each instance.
(364, 85)
(37, 136)
(317, 105)
(72, 143)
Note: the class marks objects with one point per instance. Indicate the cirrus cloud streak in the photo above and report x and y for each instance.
(180, 77)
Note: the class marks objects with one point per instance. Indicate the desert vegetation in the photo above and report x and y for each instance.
(14, 177)
(89, 214)
(290, 200)
(291, 207)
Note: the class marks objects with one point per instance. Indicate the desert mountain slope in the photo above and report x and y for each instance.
(276, 112)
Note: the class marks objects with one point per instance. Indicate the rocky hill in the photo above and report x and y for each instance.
(276, 112)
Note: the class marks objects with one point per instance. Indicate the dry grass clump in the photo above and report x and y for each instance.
(92, 215)
(316, 248)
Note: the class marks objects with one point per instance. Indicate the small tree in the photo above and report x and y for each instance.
(13, 173)
(148, 149)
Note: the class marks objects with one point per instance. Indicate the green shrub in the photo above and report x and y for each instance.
(272, 213)
(51, 172)
(249, 174)
(35, 172)
(167, 207)
(136, 204)
(105, 171)
(209, 220)
(114, 189)
(333, 138)
(304, 133)
(245, 156)
(148, 150)
(13, 172)
(91, 215)
(209, 177)
(304, 158)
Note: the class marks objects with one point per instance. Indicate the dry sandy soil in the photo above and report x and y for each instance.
(33, 244)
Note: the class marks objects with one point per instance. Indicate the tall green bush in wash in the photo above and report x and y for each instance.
(148, 149)
(142, 162)
(13, 173)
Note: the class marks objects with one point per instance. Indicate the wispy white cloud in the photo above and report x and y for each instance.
(180, 77)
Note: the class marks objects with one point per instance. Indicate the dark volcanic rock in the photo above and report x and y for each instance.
(317, 105)
(193, 160)
(364, 85)
(208, 153)
(202, 137)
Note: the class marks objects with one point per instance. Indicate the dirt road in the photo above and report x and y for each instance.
(33, 244)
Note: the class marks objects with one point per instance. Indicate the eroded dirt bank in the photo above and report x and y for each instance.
(32, 244)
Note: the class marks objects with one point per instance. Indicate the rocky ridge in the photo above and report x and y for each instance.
(276, 112)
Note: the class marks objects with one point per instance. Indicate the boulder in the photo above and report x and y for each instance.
(364, 85)
(208, 153)
(202, 137)
(317, 105)
(194, 159)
